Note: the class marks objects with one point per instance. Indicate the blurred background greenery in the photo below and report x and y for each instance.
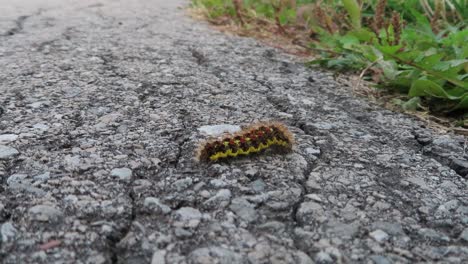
(416, 48)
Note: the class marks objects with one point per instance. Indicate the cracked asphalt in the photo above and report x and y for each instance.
(100, 108)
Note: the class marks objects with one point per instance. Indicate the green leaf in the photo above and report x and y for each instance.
(287, 16)
(412, 104)
(363, 34)
(348, 41)
(423, 87)
(447, 65)
(389, 50)
(422, 22)
(461, 8)
(463, 104)
(429, 59)
(354, 11)
(389, 69)
(456, 92)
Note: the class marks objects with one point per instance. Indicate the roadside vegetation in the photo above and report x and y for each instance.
(416, 49)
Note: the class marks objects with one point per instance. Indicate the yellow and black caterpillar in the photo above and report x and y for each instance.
(252, 139)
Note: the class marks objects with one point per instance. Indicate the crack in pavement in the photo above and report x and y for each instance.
(124, 232)
(19, 23)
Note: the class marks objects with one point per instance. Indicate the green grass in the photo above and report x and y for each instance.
(415, 47)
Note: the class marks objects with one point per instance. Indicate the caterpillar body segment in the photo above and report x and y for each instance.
(250, 140)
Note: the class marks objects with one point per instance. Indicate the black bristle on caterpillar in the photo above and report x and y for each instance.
(252, 139)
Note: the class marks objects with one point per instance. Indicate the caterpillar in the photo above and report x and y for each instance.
(252, 139)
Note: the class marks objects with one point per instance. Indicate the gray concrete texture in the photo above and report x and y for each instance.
(101, 104)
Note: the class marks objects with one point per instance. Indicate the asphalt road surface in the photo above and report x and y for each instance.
(103, 104)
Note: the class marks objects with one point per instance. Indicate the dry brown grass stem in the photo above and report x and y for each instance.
(238, 7)
(435, 17)
(323, 19)
(396, 23)
(278, 8)
(379, 16)
(359, 80)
